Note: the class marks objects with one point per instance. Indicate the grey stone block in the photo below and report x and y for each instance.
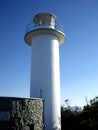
(25, 113)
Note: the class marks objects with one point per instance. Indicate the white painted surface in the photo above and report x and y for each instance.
(45, 77)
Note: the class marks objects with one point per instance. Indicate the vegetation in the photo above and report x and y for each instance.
(86, 119)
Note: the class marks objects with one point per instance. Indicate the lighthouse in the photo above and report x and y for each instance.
(45, 38)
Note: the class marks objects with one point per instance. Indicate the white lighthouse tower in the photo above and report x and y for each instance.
(45, 39)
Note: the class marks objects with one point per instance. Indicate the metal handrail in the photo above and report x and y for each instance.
(32, 26)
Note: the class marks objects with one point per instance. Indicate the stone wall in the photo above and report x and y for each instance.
(21, 113)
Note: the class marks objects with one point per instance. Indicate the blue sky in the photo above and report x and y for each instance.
(78, 55)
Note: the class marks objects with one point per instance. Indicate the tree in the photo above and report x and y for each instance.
(87, 119)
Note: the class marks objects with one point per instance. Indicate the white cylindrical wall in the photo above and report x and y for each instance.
(45, 77)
